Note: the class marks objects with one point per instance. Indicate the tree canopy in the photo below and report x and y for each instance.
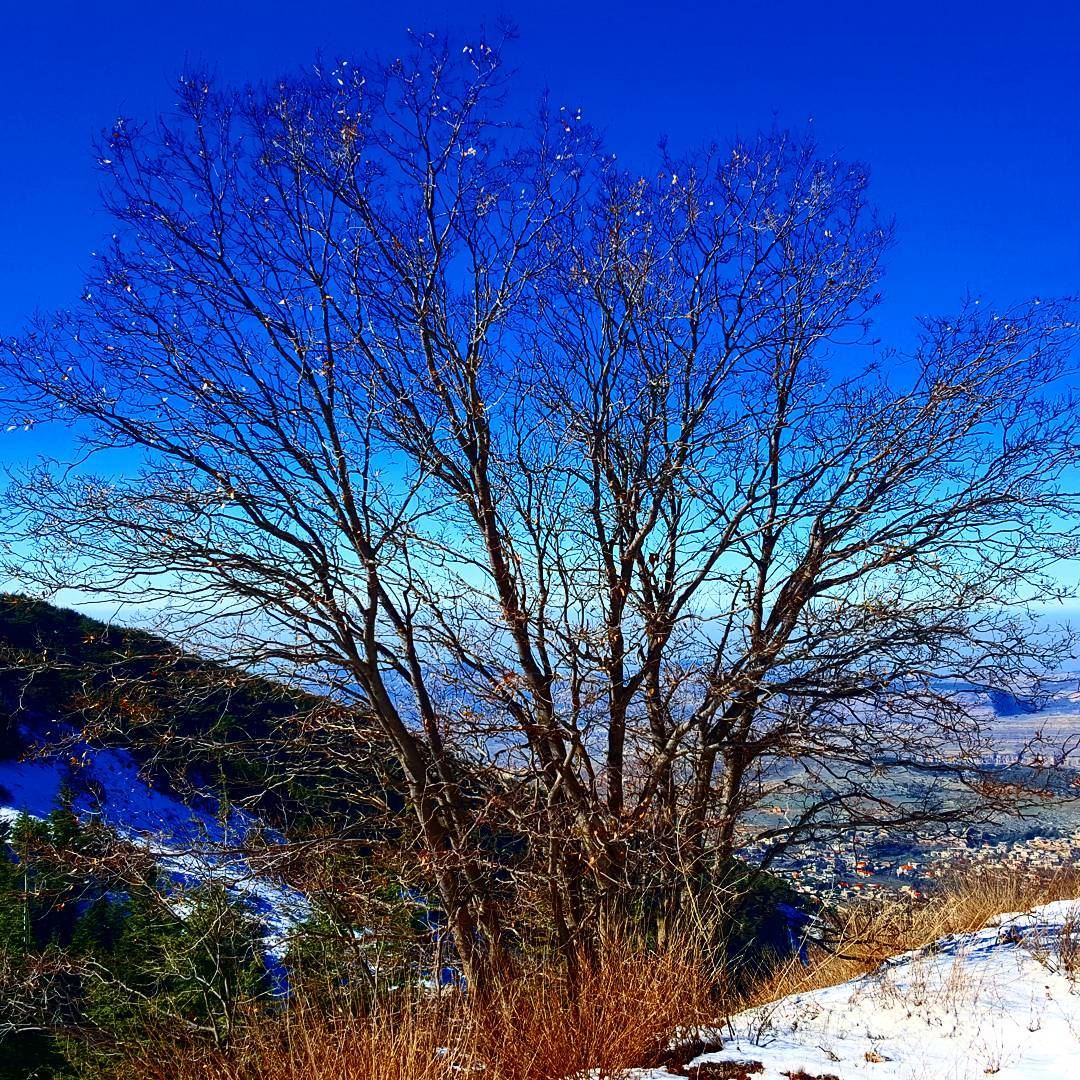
(591, 488)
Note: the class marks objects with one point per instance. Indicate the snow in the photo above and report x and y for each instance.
(996, 1002)
(106, 784)
(185, 839)
(30, 786)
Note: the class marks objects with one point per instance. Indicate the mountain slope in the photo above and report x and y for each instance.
(193, 725)
(160, 747)
(1001, 1002)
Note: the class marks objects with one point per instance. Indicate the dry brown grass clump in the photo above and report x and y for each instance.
(624, 1012)
(628, 1004)
(1068, 947)
(871, 932)
(414, 1042)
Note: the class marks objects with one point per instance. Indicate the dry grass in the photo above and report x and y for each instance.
(1068, 947)
(624, 1013)
(629, 1004)
(871, 932)
(414, 1042)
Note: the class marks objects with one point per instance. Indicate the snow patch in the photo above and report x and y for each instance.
(992, 1003)
(181, 837)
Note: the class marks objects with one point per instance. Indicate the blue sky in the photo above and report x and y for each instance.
(968, 114)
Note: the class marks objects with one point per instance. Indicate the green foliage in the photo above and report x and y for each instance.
(95, 962)
(33, 1054)
(368, 934)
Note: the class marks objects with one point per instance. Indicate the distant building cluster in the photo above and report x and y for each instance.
(849, 869)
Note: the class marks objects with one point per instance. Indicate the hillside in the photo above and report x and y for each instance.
(71, 685)
(163, 749)
(181, 759)
(1001, 1001)
(146, 801)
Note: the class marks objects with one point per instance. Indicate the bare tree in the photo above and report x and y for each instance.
(591, 489)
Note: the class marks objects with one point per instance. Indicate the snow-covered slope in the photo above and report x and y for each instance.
(106, 783)
(998, 1003)
(187, 839)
